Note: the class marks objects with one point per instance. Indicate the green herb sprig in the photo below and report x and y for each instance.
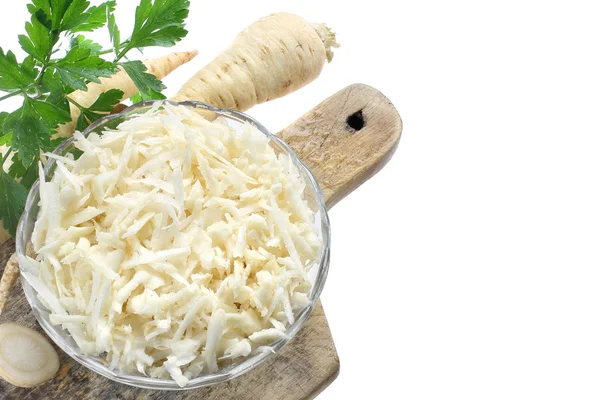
(44, 81)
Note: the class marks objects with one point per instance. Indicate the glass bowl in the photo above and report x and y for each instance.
(317, 275)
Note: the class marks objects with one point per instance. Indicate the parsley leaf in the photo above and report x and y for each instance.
(28, 67)
(65, 14)
(115, 34)
(82, 122)
(5, 138)
(58, 8)
(59, 99)
(159, 23)
(107, 101)
(75, 14)
(51, 81)
(12, 201)
(146, 83)
(86, 118)
(31, 127)
(72, 15)
(96, 17)
(152, 95)
(35, 5)
(27, 175)
(136, 98)
(51, 115)
(30, 135)
(103, 105)
(81, 41)
(79, 65)
(39, 39)
(13, 75)
(3, 116)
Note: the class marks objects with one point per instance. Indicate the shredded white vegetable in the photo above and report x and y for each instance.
(173, 244)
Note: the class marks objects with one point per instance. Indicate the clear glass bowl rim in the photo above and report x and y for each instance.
(204, 380)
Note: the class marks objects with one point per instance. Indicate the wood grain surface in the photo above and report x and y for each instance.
(344, 141)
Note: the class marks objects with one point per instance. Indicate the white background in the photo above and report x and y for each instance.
(469, 267)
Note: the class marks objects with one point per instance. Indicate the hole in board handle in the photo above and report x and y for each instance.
(356, 120)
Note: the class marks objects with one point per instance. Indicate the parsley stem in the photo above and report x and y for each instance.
(75, 103)
(5, 156)
(6, 96)
(108, 51)
(124, 51)
(41, 74)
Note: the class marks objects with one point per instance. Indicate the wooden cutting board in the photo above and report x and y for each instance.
(344, 141)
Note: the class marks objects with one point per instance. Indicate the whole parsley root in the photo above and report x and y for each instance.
(274, 56)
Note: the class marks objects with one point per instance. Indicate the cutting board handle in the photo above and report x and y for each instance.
(346, 139)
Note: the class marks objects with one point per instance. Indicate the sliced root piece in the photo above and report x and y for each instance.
(26, 357)
(9, 277)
